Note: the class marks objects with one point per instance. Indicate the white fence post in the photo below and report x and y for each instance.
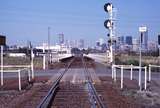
(139, 81)
(121, 77)
(1, 65)
(131, 72)
(140, 78)
(149, 72)
(112, 71)
(29, 74)
(114, 74)
(32, 57)
(19, 79)
(145, 86)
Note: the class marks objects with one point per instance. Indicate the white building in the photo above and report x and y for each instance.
(55, 48)
(135, 44)
(152, 46)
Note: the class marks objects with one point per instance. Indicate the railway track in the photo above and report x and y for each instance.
(46, 102)
(69, 95)
(94, 97)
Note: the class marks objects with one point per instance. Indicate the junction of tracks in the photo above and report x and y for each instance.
(77, 82)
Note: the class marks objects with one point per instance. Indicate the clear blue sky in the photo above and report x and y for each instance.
(23, 20)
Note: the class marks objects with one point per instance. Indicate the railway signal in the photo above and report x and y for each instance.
(108, 7)
(109, 24)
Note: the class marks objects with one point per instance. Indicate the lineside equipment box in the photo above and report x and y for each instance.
(2, 40)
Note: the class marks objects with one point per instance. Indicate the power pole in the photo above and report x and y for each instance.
(49, 52)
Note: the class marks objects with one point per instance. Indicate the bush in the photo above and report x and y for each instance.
(134, 62)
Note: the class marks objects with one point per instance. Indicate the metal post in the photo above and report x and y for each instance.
(114, 74)
(121, 77)
(49, 44)
(145, 79)
(19, 79)
(112, 71)
(140, 78)
(149, 72)
(140, 61)
(1, 65)
(44, 58)
(111, 36)
(29, 74)
(131, 71)
(32, 56)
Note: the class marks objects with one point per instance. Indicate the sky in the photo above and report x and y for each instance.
(28, 20)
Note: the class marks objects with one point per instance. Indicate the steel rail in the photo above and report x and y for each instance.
(46, 102)
(92, 89)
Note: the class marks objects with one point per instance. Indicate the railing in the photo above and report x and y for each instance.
(16, 69)
(131, 67)
(152, 66)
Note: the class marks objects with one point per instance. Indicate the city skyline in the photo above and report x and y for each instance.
(28, 20)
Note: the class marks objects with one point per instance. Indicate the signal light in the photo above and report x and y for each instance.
(108, 24)
(108, 7)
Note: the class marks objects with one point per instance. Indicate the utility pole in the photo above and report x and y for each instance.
(140, 61)
(49, 52)
(142, 30)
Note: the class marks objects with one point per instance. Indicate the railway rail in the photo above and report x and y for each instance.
(94, 97)
(46, 102)
(61, 92)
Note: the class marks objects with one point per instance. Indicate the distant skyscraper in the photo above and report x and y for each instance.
(61, 38)
(101, 41)
(135, 43)
(121, 40)
(129, 40)
(81, 43)
(159, 40)
(152, 46)
(97, 43)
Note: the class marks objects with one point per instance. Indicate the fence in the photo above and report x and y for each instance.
(150, 68)
(131, 67)
(19, 69)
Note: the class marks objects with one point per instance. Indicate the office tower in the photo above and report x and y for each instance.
(101, 41)
(61, 38)
(135, 43)
(129, 40)
(159, 40)
(81, 43)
